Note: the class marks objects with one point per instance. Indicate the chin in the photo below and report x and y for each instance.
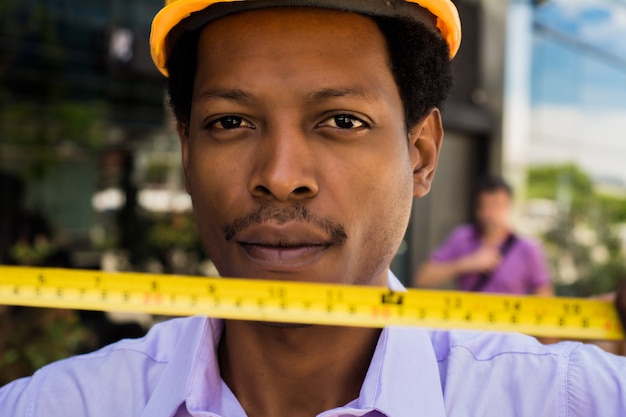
(277, 325)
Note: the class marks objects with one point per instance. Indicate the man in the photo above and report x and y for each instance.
(306, 131)
(488, 256)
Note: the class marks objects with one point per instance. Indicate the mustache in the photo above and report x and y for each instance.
(298, 212)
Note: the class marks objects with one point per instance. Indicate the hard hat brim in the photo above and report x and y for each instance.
(196, 13)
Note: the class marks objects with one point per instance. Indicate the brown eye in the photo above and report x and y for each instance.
(230, 122)
(344, 121)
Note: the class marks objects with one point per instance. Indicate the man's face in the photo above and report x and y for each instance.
(493, 209)
(297, 157)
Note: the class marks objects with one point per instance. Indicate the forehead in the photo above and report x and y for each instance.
(290, 34)
(283, 56)
(282, 18)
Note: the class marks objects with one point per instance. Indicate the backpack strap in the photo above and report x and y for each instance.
(485, 277)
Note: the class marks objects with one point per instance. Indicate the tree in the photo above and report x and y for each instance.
(584, 250)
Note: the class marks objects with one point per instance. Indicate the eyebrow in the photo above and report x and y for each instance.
(327, 93)
(225, 94)
(323, 94)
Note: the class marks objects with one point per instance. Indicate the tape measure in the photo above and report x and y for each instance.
(279, 301)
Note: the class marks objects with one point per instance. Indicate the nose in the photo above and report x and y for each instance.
(284, 167)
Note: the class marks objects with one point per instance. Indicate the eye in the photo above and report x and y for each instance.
(344, 121)
(229, 123)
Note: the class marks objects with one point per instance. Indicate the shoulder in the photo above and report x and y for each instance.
(596, 382)
(464, 231)
(486, 346)
(461, 235)
(511, 373)
(563, 379)
(529, 244)
(158, 345)
(126, 369)
(459, 241)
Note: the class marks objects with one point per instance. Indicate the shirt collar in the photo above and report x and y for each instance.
(403, 376)
(182, 368)
(206, 391)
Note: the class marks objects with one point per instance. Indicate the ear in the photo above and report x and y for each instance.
(425, 140)
(182, 129)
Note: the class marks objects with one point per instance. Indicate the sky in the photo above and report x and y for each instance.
(582, 57)
(578, 86)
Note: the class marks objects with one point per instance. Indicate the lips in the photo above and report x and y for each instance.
(283, 246)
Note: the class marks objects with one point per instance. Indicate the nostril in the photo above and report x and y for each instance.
(301, 191)
(262, 190)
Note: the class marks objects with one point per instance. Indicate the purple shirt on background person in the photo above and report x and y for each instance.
(522, 270)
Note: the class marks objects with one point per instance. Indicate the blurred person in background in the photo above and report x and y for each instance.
(488, 256)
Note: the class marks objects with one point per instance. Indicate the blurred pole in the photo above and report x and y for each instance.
(131, 227)
(517, 98)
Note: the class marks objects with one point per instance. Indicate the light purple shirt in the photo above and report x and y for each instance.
(522, 270)
(173, 371)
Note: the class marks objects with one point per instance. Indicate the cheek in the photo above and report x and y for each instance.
(391, 200)
(204, 196)
(212, 186)
(203, 178)
(384, 199)
(388, 205)
(391, 180)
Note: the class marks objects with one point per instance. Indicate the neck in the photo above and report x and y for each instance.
(294, 371)
(494, 235)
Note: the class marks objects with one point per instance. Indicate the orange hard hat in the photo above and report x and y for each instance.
(175, 11)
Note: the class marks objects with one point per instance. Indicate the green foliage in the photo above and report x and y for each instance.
(613, 207)
(33, 337)
(584, 227)
(176, 231)
(564, 182)
(26, 254)
(52, 122)
(606, 278)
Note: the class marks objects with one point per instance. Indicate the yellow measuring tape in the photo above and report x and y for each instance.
(280, 301)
